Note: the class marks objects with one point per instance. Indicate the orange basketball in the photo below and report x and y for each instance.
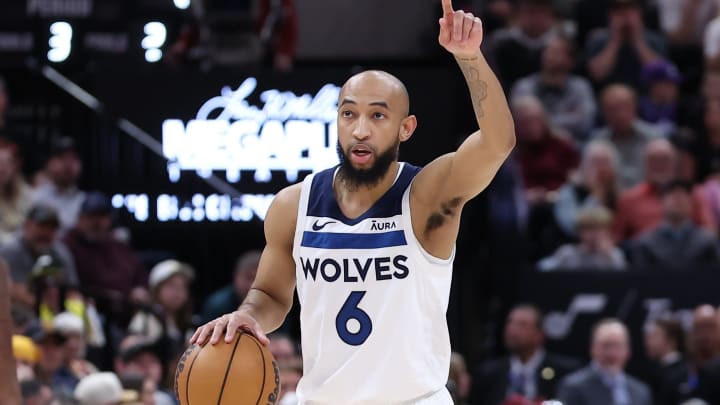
(239, 373)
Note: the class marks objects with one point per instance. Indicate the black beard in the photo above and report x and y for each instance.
(356, 178)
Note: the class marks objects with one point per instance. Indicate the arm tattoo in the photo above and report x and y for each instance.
(478, 87)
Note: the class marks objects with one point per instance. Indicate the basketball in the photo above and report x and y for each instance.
(237, 373)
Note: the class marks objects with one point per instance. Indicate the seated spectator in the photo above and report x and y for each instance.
(684, 22)
(108, 270)
(596, 250)
(51, 369)
(72, 327)
(529, 371)
(640, 209)
(37, 239)
(229, 298)
(103, 389)
(659, 107)
(63, 169)
(140, 356)
(604, 381)
(515, 52)
(567, 98)
(596, 185)
(693, 106)
(618, 53)
(677, 243)
(546, 159)
(664, 341)
(712, 41)
(625, 131)
(459, 381)
(145, 388)
(168, 317)
(15, 194)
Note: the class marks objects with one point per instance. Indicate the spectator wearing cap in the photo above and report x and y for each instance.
(108, 270)
(51, 369)
(618, 53)
(659, 106)
(640, 208)
(677, 244)
(103, 389)
(567, 98)
(37, 240)
(229, 298)
(516, 51)
(15, 193)
(168, 318)
(63, 169)
(140, 356)
(596, 250)
(625, 130)
(72, 327)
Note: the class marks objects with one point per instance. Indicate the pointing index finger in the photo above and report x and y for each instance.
(447, 7)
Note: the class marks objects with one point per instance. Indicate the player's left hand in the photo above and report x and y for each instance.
(461, 33)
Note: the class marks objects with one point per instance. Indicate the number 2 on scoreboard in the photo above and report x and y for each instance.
(348, 311)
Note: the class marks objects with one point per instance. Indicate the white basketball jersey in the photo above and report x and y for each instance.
(373, 301)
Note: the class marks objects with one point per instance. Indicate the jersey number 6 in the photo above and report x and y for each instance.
(350, 311)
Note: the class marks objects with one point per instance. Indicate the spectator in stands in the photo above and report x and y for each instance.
(676, 243)
(72, 327)
(280, 20)
(659, 106)
(640, 208)
(282, 346)
(109, 271)
(143, 386)
(168, 317)
(567, 98)
(37, 240)
(704, 356)
(3, 106)
(529, 372)
(35, 393)
(625, 131)
(15, 194)
(9, 388)
(596, 185)
(707, 149)
(516, 52)
(664, 340)
(103, 389)
(51, 369)
(712, 40)
(459, 381)
(138, 355)
(229, 298)
(546, 159)
(596, 250)
(617, 54)
(604, 381)
(63, 168)
(684, 22)
(495, 14)
(290, 373)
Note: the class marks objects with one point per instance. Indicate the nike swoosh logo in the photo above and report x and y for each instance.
(317, 227)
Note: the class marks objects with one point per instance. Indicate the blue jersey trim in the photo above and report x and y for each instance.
(328, 240)
(322, 202)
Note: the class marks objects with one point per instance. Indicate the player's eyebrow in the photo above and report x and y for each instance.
(374, 103)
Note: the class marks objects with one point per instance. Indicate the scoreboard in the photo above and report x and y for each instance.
(73, 32)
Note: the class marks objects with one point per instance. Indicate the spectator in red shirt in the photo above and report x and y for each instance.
(108, 269)
(640, 209)
(546, 159)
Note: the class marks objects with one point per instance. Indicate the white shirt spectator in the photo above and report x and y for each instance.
(66, 202)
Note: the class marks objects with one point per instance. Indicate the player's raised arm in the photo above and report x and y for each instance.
(465, 173)
(271, 296)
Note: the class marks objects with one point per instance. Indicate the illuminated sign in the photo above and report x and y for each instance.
(287, 133)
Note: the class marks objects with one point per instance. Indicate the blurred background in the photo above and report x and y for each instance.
(141, 143)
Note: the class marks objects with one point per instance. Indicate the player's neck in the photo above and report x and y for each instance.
(354, 201)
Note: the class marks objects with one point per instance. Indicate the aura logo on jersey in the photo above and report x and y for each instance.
(287, 133)
(355, 270)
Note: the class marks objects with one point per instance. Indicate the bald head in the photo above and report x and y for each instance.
(660, 161)
(619, 108)
(378, 87)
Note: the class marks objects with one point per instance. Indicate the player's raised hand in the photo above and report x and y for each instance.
(461, 33)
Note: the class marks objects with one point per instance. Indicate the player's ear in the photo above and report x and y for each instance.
(407, 127)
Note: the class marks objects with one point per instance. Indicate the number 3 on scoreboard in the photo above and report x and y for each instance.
(350, 310)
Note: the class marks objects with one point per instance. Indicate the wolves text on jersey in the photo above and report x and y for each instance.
(354, 270)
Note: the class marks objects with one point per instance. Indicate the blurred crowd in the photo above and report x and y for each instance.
(617, 167)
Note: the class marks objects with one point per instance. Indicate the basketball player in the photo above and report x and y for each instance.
(370, 244)
(9, 389)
